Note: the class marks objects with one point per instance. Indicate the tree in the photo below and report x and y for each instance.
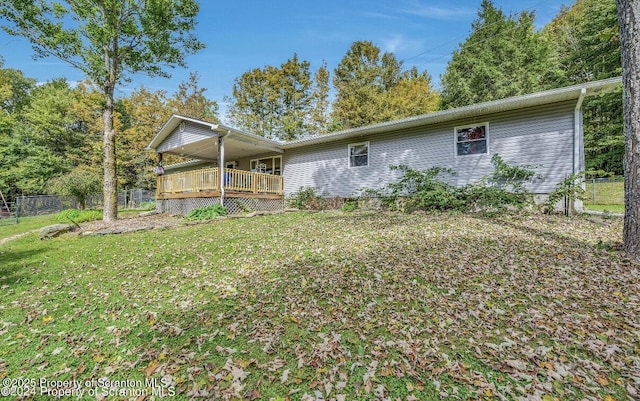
(79, 183)
(15, 90)
(503, 56)
(50, 117)
(25, 165)
(361, 79)
(412, 95)
(277, 102)
(319, 118)
(107, 39)
(190, 101)
(372, 88)
(586, 47)
(629, 23)
(146, 111)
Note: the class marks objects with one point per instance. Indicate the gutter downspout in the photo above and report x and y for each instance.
(578, 145)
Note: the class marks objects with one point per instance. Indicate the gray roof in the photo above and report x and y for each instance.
(512, 103)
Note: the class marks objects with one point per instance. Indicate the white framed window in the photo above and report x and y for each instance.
(472, 139)
(268, 165)
(359, 154)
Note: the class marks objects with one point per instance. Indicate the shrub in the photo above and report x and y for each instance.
(569, 189)
(426, 190)
(207, 213)
(503, 189)
(306, 198)
(79, 183)
(349, 205)
(78, 216)
(151, 205)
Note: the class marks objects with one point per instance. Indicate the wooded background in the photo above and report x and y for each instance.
(53, 131)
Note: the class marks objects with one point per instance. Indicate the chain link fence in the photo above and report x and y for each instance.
(47, 204)
(604, 194)
(7, 214)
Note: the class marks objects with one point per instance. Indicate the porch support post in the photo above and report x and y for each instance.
(221, 167)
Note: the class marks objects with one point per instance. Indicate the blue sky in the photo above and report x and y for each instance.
(245, 34)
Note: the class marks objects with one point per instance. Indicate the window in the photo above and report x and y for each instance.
(359, 154)
(471, 140)
(268, 165)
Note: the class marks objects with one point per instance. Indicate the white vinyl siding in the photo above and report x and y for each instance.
(541, 136)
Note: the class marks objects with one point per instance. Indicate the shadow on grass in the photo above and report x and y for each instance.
(13, 263)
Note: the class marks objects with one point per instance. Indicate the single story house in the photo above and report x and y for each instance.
(543, 129)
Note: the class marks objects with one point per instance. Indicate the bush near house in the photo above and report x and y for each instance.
(427, 190)
(207, 213)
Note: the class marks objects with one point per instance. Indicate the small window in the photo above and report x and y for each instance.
(471, 140)
(359, 154)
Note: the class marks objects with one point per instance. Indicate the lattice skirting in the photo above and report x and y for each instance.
(233, 205)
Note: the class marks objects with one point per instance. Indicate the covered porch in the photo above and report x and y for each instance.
(206, 182)
(226, 166)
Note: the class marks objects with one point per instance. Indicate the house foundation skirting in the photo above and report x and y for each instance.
(182, 206)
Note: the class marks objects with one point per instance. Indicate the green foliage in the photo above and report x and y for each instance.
(15, 91)
(148, 205)
(79, 183)
(279, 102)
(78, 216)
(25, 165)
(108, 41)
(306, 198)
(586, 44)
(427, 190)
(190, 100)
(349, 205)
(570, 188)
(372, 87)
(207, 213)
(503, 56)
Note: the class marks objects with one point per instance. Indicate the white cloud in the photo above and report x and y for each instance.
(398, 43)
(438, 12)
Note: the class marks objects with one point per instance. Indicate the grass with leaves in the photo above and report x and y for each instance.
(331, 305)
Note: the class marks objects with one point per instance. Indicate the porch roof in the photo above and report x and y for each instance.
(237, 143)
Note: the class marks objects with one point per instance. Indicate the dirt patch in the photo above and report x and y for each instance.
(131, 223)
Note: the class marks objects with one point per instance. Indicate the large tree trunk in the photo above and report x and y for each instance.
(629, 19)
(110, 211)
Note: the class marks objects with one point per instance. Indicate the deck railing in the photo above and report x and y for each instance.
(208, 180)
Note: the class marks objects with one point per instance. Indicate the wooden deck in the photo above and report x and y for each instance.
(205, 183)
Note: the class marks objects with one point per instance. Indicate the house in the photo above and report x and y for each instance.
(542, 129)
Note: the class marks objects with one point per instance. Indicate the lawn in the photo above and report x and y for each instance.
(604, 196)
(327, 306)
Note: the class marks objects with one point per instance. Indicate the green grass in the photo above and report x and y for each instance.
(340, 305)
(606, 193)
(608, 196)
(29, 223)
(25, 224)
(606, 208)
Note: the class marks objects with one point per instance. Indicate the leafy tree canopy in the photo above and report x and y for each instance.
(371, 87)
(107, 40)
(503, 56)
(279, 102)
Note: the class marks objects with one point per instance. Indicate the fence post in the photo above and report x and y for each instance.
(594, 191)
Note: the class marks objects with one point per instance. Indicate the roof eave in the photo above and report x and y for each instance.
(512, 103)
